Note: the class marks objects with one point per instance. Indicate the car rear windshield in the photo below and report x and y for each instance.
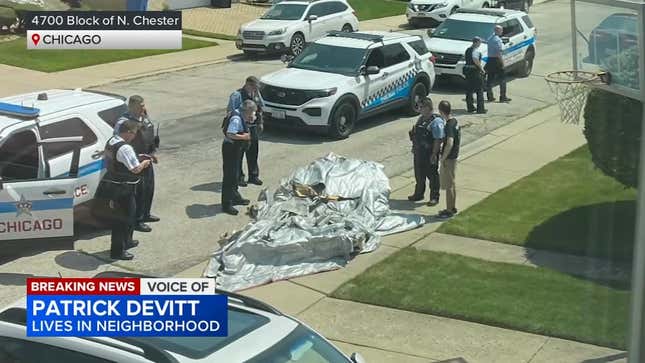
(463, 30)
(624, 22)
(240, 323)
(285, 12)
(331, 59)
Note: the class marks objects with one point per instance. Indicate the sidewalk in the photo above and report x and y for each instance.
(389, 335)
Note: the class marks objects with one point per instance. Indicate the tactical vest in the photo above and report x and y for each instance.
(144, 142)
(422, 135)
(117, 172)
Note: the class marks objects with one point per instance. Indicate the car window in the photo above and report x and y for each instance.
(19, 158)
(511, 28)
(376, 58)
(23, 351)
(66, 128)
(331, 59)
(528, 21)
(337, 7)
(285, 12)
(463, 30)
(619, 22)
(419, 46)
(318, 10)
(395, 54)
(111, 115)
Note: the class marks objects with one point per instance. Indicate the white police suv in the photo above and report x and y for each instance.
(51, 159)
(257, 333)
(435, 12)
(449, 41)
(345, 77)
(289, 25)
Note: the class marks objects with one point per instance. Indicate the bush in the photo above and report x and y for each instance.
(7, 17)
(613, 132)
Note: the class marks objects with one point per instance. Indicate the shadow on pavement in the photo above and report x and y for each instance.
(404, 204)
(13, 250)
(607, 359)
(604, 231)
(14, 279)
(197, 211)
(207, 187)
(79, 261)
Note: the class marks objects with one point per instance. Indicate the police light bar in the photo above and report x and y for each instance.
(10, 109)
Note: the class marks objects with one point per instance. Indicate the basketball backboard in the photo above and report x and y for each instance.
(608, 36)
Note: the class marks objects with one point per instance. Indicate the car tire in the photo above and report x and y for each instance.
(485, 6)
(526, 65)
(347, 28)
(342, 120)
(418, 92)
(297, 44)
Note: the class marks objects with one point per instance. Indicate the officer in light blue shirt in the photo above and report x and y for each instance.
(495, 66)
(236, 134)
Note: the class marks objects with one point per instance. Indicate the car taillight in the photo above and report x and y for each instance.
(354, 12)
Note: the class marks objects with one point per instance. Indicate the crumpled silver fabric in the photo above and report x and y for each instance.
(293, 236)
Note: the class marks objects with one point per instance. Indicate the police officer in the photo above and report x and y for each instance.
(144, 144)
(249, 92)
(426, 138)
(236, 134)
(474, 74)
(117, 188)
(495, 67)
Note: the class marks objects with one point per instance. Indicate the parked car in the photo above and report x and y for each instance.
(449, 41)
(345, 77)
(289, 25)
(434, 12)
(615, 34)
(44, 185)
(258, 333)
(521, 5)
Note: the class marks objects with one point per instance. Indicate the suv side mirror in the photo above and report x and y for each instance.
(357, 358)
(372, 70)
(505, 40)
(312, 18)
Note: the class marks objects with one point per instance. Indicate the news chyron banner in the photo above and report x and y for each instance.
(104, 30)
(129, 307)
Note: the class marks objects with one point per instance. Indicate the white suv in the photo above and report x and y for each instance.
(435, 12)
(289, 25)
(47, 180)
(258, 333)
(449, 41)
(345, 77)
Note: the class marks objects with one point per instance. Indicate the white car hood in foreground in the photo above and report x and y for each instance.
(303, 79)
(450, 46)
(267, 25)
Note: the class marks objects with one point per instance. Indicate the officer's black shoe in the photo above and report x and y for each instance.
(241, 183)
(482, 112)
(491, 99)
(230, 210)
(433, 202)
(470, 110)
(142, 227)
(131, 244)
(255, 181)
(415, 198)
(504, 100)
(241, 202)
(123, 256)
(151, 218)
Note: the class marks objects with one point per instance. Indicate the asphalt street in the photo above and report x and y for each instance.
(189, 106)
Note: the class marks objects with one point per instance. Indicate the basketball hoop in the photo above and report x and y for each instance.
(571, 88)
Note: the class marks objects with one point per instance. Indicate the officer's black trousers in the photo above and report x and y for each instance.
(231, 162)
(474, 84)
(123, 220)
(145, 193)
(251, 160)
(495, 76)
(424, 169)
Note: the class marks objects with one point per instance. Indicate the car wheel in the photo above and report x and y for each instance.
(486, 5)
(343, 120)
(297, 44)
(347, 28)
(526, 66)
(417, 93)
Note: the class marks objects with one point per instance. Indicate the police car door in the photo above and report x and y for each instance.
(33, 207)
(59, 155)
(396, 77)
(514, 44)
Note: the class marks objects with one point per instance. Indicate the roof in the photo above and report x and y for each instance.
(362, 39)
(489, 15)
(57, 100)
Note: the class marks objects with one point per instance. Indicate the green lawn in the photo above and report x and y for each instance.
(535, 300)
(373, 9)
(567, 206)
(15, 53)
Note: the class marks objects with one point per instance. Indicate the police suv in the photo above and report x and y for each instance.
(51, 159)
(449, 41)
(345, 77)
(257, 333)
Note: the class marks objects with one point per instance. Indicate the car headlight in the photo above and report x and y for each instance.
(321, 93)
(413, 7)
(278, 31)
(442, 5)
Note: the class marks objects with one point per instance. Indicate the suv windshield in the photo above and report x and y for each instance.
(331, 59)
(285, 12)
(463, 30)
(302, 345)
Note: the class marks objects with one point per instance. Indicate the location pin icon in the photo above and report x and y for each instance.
(35, 38)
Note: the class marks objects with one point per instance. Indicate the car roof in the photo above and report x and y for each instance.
(363, 39)
(485, 15)
(57, 100)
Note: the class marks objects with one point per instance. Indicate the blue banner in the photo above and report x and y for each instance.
(127, 316)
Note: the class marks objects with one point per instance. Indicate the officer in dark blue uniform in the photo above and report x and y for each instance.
(474, 73)
(236, 135)
(426, 139)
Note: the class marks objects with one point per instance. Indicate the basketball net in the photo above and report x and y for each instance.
(570, 89)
